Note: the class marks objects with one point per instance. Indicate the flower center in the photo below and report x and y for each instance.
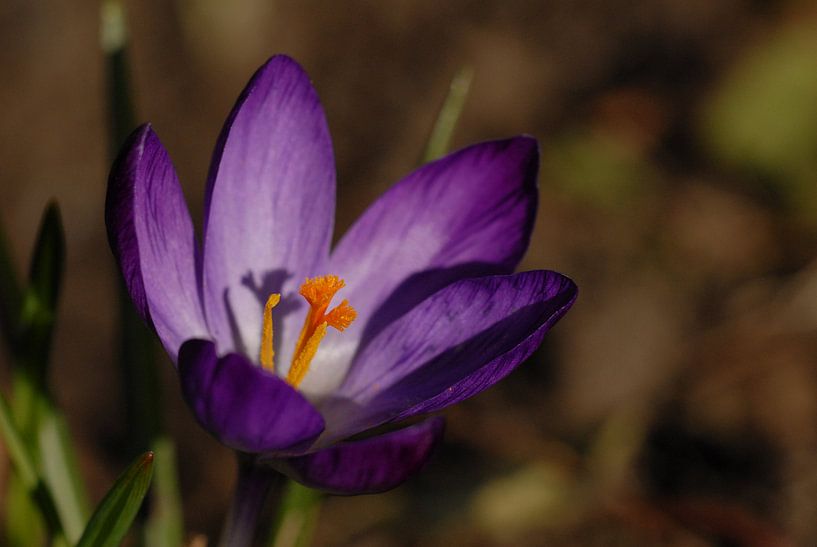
(318, 292)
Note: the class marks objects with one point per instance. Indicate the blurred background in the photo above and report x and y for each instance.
(676, 404)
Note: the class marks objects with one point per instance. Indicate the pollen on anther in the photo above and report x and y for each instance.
(267, 354)
(341, 316)
(318, 291)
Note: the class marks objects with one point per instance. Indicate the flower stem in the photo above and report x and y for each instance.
(251, 491)
(296, 518)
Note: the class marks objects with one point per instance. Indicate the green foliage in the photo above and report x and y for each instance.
(39, 306)
(27, 312)
(47, 264)
(41, 428)
(115, 513)
(61, 471)
(26, 471)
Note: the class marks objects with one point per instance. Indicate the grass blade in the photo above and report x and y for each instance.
(115, 513)
(39, 307)
(61, 473)
(44, 426)
(48, 262)
(449, 115)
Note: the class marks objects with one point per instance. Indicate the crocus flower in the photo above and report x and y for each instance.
(431, 312)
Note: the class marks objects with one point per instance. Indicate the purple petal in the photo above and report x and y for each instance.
(270, 206)
(455, 344)
(371, 465)
(468, 214)
(244, 406)
(151, 234)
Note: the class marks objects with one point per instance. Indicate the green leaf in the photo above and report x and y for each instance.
(24, 464)
(449, 115)
(26, 470)
(40, 422)
(35, 417)
(61, 472)
(39, 307)
(114, 515)
(43, 429)
(23, 525)
(48, 262)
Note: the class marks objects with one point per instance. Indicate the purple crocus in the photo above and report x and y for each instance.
(432, 313)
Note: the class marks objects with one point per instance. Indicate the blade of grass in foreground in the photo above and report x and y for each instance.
(115, 513)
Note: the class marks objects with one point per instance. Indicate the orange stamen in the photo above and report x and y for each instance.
(301, 361)
(341, 316)
(318, 292)
(267, 356)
